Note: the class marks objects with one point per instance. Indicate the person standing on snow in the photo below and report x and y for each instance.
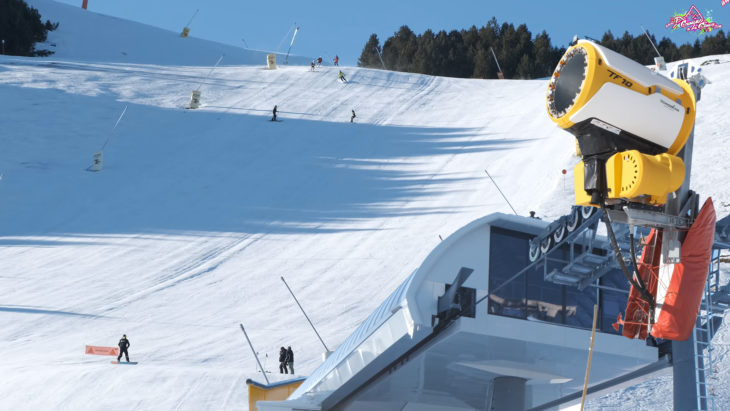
(341, 75)
(274, 118)
(290, 360)
(282, 361)
(319, 61)
(337, 60)
(312, 65)
(353, 116)
(123, 345)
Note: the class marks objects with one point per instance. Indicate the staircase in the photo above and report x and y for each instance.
(703, 332)
(585, 262)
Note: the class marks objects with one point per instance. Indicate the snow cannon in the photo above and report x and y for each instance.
(630, 123)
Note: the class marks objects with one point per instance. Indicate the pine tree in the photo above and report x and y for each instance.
(481, 64)
(21, 28)
(369, 56)
(423, 59)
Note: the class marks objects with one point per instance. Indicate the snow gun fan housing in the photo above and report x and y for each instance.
(630, 123)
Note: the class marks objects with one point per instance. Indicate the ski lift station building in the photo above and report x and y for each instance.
(505, 338)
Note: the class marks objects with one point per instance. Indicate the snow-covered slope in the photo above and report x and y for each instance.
(197, 214)
(88, 36)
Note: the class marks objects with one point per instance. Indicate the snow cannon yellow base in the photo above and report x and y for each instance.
(635, 177)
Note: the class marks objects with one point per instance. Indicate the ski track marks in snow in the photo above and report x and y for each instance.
(197, 213)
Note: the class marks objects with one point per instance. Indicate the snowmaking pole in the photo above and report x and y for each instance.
(195, 95)
(651, 42)
(191, 18)
(305, 314)
(380, 56)
(286, 60)
(500, 75)
(211, 71)
(263, 371)
(500, 192)
(186, 29)
(661, 65)
(98, 158)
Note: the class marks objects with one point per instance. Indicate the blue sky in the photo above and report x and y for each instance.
(342, 27)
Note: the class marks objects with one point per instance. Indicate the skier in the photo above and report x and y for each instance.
(353, 116)
(282, 361)
(312, 65)
(274, 118)
(337, 60)
(341, 75)
(319, 61)
(123, 345)
(290, 360)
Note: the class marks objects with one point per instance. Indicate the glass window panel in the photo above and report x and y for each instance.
(507, 256)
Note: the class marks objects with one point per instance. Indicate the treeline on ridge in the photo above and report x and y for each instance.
(467, 54)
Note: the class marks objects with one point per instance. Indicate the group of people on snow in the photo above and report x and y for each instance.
(286, 355)
(286, 359)
(318, 62)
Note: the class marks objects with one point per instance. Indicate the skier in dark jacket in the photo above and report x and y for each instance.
(274, 118)
(282, 361)
(353, 116)
(290, 359)
(123, 345)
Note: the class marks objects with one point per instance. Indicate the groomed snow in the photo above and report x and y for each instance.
(197, 214)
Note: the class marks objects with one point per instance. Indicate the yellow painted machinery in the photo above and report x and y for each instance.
(630, 123)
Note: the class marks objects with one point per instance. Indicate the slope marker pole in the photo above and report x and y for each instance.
(590, 356)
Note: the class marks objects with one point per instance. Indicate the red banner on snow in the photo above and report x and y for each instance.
(96, 350)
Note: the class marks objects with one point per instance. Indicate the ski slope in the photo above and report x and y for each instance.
(197, 214)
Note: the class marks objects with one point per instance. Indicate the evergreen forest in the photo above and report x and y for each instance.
(471, 53)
